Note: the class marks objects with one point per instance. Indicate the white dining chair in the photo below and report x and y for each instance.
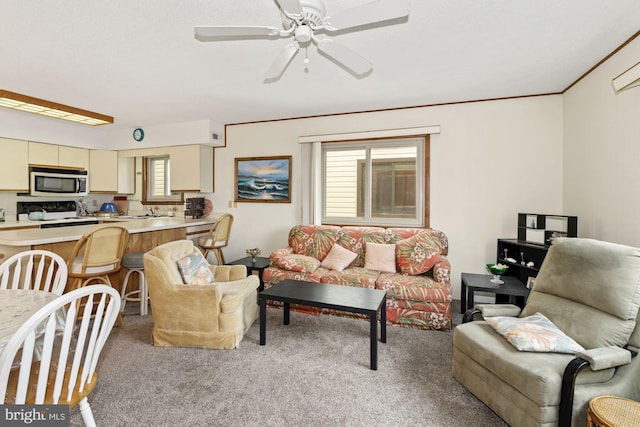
(70, 332)
(34, 269)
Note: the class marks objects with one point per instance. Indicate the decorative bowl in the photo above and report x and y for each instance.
(497, 270)
(108, 207)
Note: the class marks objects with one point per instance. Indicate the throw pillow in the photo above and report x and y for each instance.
(380, 257)
(338, 258)
(534, 333)
(295, 262)
(194, 270)
(417, 254)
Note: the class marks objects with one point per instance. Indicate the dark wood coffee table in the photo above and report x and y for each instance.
(344, 298)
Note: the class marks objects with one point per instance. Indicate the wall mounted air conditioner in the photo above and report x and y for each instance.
(628, 79)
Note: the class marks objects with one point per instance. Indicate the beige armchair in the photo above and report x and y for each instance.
(590, 290)
(213, 315)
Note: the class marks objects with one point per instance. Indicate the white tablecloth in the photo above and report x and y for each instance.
(16, 307)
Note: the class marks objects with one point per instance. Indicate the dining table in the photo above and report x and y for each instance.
(16, 307)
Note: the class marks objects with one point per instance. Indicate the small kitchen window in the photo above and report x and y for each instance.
(157, 182)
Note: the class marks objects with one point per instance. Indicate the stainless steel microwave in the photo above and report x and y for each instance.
(58, 182)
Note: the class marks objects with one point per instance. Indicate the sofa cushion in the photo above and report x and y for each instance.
(438, 238)
(295, 262)
(338, 258)
(352, 276)
(417, 254)
(533, 333)
(194, 270)
(273, 275)
(313, 240)
(416, 289)
(356, 238)
(380, 257)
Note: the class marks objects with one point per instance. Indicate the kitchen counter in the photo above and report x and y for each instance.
(36, 236)
(12, 224)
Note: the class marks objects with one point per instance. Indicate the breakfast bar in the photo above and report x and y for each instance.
(144, 234)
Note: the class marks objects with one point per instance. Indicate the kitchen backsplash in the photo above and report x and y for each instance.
(8, 201)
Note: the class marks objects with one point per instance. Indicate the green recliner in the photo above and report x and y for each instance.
(591, 290)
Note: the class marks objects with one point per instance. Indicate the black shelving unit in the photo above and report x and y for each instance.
(542, 229)
(523, 253)
(535, 234)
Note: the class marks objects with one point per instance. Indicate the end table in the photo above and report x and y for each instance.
(472, 283)
(253, 267)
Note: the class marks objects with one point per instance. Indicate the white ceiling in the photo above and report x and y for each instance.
(138, 60)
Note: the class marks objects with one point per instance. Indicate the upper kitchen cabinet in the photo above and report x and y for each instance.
(42, 154)
(126, 175)
(191, 168)
(14, 171)
(103, 171)
(73, 157)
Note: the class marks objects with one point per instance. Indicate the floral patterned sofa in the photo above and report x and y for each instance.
(418, 292)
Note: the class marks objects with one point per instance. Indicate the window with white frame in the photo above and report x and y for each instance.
(157, 172)
(377, 182)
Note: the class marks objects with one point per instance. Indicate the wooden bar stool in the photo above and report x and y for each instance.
(135, 264)
(217, 238)
(612, 411)
(97, 254)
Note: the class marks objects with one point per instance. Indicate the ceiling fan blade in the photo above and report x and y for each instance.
(344, 56)
(282, 60)
(233, 31)
(290, 6)
(369, 13)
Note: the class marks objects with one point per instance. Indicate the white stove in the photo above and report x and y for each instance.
(56, 214)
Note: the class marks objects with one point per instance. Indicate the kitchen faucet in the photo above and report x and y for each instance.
(153, 212)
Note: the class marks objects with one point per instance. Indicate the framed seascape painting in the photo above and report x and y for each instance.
(263, 179)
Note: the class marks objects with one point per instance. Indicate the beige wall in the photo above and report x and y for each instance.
(602, 153)
(491, 160)
(575, 154)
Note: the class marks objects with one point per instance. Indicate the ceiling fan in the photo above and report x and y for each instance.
(302, 19)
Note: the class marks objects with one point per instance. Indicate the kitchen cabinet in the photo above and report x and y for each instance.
(191, 168)
(73, 157)
(42, 154)
(103, 171)
(14, 171)
(126, 175)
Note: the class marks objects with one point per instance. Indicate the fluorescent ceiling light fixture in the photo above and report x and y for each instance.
(30, 104)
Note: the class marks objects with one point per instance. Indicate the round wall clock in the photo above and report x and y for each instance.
(138, 134)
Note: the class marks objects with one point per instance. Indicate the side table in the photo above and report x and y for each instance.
(253, 267)
(471, 283)
(609, 411)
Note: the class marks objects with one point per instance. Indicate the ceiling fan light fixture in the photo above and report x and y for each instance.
(303, 34)
(17, 101)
